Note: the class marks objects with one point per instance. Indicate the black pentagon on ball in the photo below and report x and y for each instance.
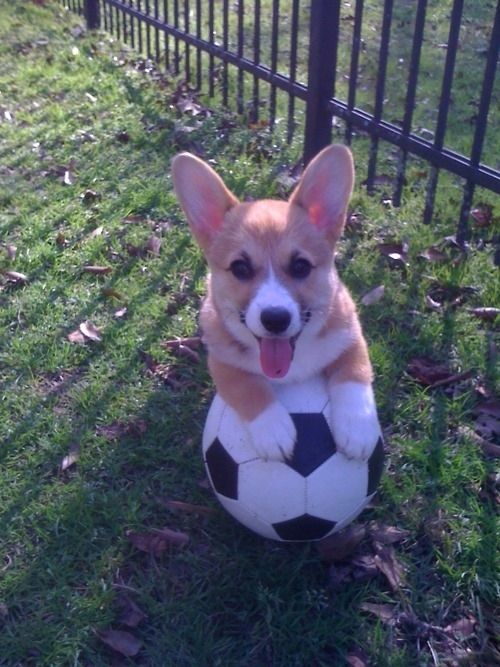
(223, 470)
(304, 528)
(315, 443)
(375, 467)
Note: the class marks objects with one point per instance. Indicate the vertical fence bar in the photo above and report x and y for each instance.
(240, 38)
(353, 72)
(410, 95)
(187, 48)
(323, 39)
(225, 45)
(177, 57)
(198, 51)
(157, 32)
(211, 59)
(481, 124)
(380, 90)
(91, 13)
(166, 39)
(444, 104)
(274, 60)
(292, 70)
(139, 28)
(132, 27)
(256, 59)
(148, 33)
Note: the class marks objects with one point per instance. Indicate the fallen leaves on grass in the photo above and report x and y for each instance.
(71, 457)
(433, 374)
(434, 254)
(90, 196)
(486, 313)
(97, 270)
(341, 545)
(124, 643)
(385, 612)
(354, 559)
(11, 250)
(90, 331)
(158, 541)
(119, 429)
(373, 296)
(482, 215)
(15, 277)
(87, 331)
(184, 347)
(396, 252)
(131, 615)
(388, 564)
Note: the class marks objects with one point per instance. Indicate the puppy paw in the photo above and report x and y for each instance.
(354, 420)
(273, 433)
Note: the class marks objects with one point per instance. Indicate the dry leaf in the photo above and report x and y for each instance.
(121, 312)
(153, 246)
(433, 374)
(433, 254)
(120, 641)
(68, 177)
(482, 215)
(118, 429)
(463, 627)
(192, 342)
(387, 534)
(131, 614)
(96, 232)
(340, 546)
(16, 277)
(76, 337)
(488, 314)
(157, 542)
(189, 508)
(111, 293)
(433, 305)
(385, 612)
(71, 457)
(391, 568)
(11, 251)
(90, 331)
(357, 658)
(373, 296)
(97, 270)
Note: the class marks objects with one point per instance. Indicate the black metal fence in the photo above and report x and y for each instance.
(307, 65)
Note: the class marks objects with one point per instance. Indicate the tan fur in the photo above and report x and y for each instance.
(269, 233)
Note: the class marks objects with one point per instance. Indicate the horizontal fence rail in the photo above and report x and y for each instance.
(232, 49)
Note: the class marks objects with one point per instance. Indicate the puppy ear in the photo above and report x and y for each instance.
(325, 189)
(203, 196)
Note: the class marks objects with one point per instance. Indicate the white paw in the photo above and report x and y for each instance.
(354, 419)
(273, 433)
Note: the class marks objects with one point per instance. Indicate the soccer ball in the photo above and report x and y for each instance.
(318, 492)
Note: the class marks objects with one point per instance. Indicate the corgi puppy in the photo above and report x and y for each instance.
(276, 310)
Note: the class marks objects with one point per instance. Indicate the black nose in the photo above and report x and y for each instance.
(275, 319)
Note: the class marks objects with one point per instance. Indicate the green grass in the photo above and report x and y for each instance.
(227, 598)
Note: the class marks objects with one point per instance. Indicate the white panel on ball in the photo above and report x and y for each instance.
(271, 489)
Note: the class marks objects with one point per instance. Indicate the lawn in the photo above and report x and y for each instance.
(101, 414)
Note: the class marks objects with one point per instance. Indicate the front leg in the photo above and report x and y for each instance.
(271, 428)
(354, 420)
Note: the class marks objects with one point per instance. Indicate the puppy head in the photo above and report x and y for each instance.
(271, 262)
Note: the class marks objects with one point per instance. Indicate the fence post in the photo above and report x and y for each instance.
(323, 38)
(91, 13)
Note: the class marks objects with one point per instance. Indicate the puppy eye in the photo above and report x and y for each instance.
(242, 269)
(300, 268)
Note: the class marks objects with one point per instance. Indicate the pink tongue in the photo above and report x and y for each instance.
(275, 356)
